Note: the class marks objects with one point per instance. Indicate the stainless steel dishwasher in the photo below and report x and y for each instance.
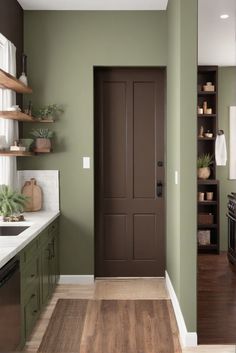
(10, 313)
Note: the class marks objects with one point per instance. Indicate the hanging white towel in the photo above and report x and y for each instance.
(220, 150)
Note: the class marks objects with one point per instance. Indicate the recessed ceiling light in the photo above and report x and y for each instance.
(224, 16)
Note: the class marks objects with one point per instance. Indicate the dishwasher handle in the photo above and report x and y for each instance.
(7, 272)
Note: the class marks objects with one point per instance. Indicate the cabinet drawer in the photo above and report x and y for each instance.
(31, 310)
(30, 273)
(30, 250)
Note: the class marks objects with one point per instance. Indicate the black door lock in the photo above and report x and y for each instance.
(159, 188)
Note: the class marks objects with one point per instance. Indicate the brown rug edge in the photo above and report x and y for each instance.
(43, 348)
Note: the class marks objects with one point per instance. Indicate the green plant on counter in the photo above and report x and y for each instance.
(48, 111)
(204, 161)
(42, 133)
(11, 202)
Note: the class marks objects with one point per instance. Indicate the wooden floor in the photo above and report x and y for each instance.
(105, 290)
(216, 300)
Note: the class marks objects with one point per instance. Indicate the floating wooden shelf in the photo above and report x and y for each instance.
(15, 154)
(10, 82)
(19, 116)
(206, 115)
(22, 154)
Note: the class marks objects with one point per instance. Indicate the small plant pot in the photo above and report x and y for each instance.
(43, 144)
(203, 173)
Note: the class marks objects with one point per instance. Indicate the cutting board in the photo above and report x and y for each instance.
(35, 195)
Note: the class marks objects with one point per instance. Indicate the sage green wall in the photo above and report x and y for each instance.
(62, 48)
(181, 153)
(226, 98)
(173, 147)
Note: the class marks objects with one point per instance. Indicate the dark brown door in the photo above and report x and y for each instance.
(129, 172)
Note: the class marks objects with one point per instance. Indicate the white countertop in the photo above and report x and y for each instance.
(12, 245)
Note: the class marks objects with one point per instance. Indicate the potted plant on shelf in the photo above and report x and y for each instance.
(42, 139)
(49, 112)
(203, 166)
(12, 204)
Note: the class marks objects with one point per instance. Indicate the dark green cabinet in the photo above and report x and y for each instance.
(45, 275)
(39, 276)
(31, 309)
(49, 264)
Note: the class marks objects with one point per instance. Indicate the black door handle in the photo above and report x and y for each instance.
(159, 188)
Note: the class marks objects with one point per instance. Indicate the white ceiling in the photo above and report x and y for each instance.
(93, 4)
(216, 37)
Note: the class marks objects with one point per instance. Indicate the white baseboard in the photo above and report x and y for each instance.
(125, 278)
(76, 279)
(188, 339)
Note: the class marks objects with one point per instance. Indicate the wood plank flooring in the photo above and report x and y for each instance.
(216, 300)
(117, 326)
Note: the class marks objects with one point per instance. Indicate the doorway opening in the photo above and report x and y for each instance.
(216, 280)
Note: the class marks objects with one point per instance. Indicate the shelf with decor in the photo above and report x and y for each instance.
(42, 138)
(16, 154)
(10, 82)
(208, 189)
(23, 153)
(19, 116)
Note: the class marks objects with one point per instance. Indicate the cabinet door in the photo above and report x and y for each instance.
(30, 273)
(31, 310)
(45, 272)
(53, 261)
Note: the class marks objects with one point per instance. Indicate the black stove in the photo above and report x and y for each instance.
(232, 204)
(232, 227)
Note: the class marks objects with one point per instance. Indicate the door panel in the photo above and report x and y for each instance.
(145, 230)
(114, 134)
(115, 234)
(129, 141)
(144, 139)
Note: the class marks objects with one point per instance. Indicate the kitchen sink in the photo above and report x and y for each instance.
(11, 230)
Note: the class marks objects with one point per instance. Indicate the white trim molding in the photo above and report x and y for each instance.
(188, 339)
(76, 279)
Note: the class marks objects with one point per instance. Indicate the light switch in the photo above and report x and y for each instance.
(86, 162)
(176, 177)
